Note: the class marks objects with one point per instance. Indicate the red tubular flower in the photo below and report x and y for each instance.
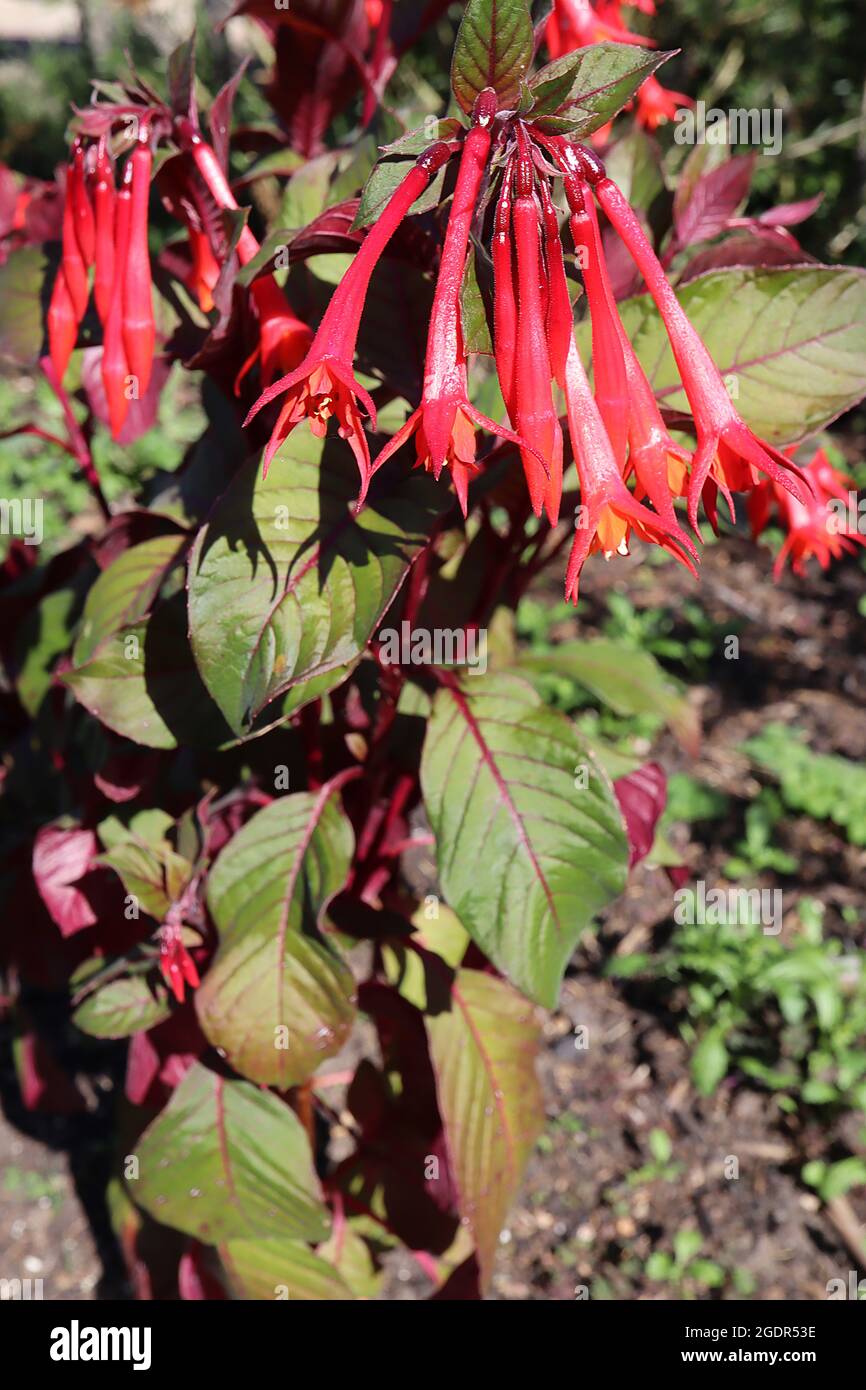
(460, 449)
(115, 367)
(175, 962)
(103, 200)
(445, 418)
(656, 103)
(444, 366)
(610, 510)
(62, 325)
(82, 211)
(504, 299)
(139, 331)
(74, 269)
(324, 384)
(284, 338)
(660, 465)
(608, 364)
(537, 421)
(814, 528)
(205, 269)
(560, 320)
(576, 24)
(728, 451)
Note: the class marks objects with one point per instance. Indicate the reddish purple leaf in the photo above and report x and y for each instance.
(45, 1085)
(320, 47)
(220, 115)
(159, 1059)
(715, 199)
(197, 1276)
(462, 1285)
(790, 214)
(747, 248)
(124, 773)
(642, 796)
(60, 858)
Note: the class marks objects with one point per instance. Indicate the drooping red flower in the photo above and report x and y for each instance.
(728, 453)
(204, 270)
(115, 365)
(104, 200)
(62, 324)
(284, 339)
(815, 528)
(608, 512)
(139, 329)
(537, 420)
(660, 465)
(72, 262)
(579, 23)
(608, 363)
(460, 448)
(504, 294)
(445, 421)
(324, 383)
(656, 104)
(176, 965)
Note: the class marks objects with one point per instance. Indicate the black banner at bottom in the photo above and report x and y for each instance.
(84, 1339)
(70, 1340)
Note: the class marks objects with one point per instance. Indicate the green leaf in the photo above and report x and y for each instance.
(527, 853)
(123, 593)
(687, 1243)
(835, 1179)
(414, 967)
(583, 90)
(660, 1145)
(493, 48)
(122, 1007)
(659, 1266)
(416, 141)
(225, 1160)
(709, 1061)
(627, 680)
(707, 1273)
(275, 1000)
(383, 181)
(21, 286)
(156, 876)
(473, 310)
(483, 1052)
(792, 342)
(281, 1270)
(181, 78)
(44, 635)
(150, 825)
(286, 585)
(143, 684)
(350, 1255)
(634, 163)
(306, 193)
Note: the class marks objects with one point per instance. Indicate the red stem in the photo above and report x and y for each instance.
(78, 443)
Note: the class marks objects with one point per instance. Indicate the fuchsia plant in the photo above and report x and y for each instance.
(241, 822)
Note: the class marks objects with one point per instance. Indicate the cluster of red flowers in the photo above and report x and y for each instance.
(105, 229)
(578, 23)
(815, 527)
(617, 433)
